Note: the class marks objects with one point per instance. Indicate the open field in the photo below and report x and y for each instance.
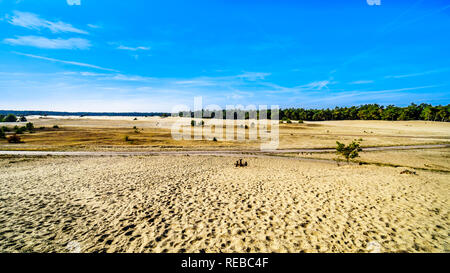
(108, 133)
(281, 202)
(204, 203)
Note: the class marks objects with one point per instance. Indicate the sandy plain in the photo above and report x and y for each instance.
(203, 203)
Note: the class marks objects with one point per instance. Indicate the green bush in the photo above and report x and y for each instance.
(192, 122)
(2, 117)
(23, 119)
(348, 151)
(55, 127)
(10, 118)
(30, 127)
(20, 130)
(2, 134)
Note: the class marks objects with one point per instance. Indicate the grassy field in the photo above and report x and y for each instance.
(154, 133)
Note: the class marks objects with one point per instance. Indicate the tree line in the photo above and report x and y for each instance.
(371, 112)
(414, 111)
(363, 112)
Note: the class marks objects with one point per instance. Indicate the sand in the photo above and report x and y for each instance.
(204, 203)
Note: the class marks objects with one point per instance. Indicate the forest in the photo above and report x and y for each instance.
(363, 112)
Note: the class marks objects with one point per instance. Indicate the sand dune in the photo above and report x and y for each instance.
(195, 204)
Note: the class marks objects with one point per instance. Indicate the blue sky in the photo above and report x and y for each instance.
(151, 55)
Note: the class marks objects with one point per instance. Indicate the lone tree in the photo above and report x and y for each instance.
(348, 151)
(30, 127)
(10, 118)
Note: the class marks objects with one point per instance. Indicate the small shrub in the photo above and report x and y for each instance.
(14, 139)
(30, 127)
(192, 122)
(2, 134)
(55, 127)
(135, 119)
(23, 119)
(300, 121)
(20, 130)
(348, 151)
(127, 138)
(215, 139)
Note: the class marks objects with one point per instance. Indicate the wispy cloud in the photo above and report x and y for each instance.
(312, 86)
(361, 82)
(416, 74)
(33, 21)
(358, 96)
(43, 42)
(94, 26)
(317, 85)
(65, 62)
(122, 47)
(253, 76)
(196, 82)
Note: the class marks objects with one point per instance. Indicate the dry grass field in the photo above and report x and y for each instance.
(292, 202)
(108, 133)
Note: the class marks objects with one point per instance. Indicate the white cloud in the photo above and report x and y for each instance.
(416, 74)
(43, 42)
(94, 26)
(33, 21)
(317, 85)
(74, 2)
(362, 82)
(133, 48)
(253, 76)
(65, 62)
